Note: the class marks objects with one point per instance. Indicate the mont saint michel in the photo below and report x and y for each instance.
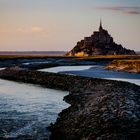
(63, 79)
(99, 43)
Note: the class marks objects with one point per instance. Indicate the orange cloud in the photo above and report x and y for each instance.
(33, 29)
(36, 29)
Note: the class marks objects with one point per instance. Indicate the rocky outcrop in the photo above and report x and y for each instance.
(99, 43)
(125, 65)
(100, 109)
(103, 110)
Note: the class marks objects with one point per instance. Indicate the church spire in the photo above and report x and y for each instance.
(100, 28)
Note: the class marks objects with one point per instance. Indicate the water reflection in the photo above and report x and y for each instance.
(66, 68)
(26, 110)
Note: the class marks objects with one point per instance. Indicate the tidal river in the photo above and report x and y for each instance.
(96, 71)
(27, 110)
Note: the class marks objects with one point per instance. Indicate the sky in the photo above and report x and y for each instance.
(57, 25)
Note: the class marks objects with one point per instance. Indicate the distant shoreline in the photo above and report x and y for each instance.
(31, 55)
(61, 53)
(13, 60)
(53, 53)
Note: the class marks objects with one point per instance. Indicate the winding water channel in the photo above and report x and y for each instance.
(27, 110)
(96, 71)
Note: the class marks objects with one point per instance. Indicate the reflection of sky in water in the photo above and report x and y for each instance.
(34, 106)
(66, 68)
(2, 68)
(97, 72)
(28, 63)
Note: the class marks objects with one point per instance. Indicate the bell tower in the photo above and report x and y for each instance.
(100, 27)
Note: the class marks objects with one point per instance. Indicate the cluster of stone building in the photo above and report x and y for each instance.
(99, 43)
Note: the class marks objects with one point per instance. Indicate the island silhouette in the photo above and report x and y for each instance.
(99, 43)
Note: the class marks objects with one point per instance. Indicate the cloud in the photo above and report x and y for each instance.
(4, 30)
(124, 10)
(133, 12)
(36, 29)
(33, 29)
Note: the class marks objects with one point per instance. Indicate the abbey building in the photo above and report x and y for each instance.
(99, 43)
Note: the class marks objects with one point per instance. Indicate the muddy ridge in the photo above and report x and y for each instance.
(132, 66)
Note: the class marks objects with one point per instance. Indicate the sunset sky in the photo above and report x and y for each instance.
(49, 25)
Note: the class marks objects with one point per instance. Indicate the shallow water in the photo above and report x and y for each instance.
(2, 68)
(66, 68)
(27, 110)
(96, 71)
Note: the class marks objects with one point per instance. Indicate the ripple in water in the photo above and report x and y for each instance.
(27, 110)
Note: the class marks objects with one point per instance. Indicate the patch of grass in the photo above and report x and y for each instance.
(86, 58)
(110, 57)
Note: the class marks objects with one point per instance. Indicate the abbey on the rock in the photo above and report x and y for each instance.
(99, 43)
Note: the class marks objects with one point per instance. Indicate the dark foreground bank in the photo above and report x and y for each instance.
(100, 109)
